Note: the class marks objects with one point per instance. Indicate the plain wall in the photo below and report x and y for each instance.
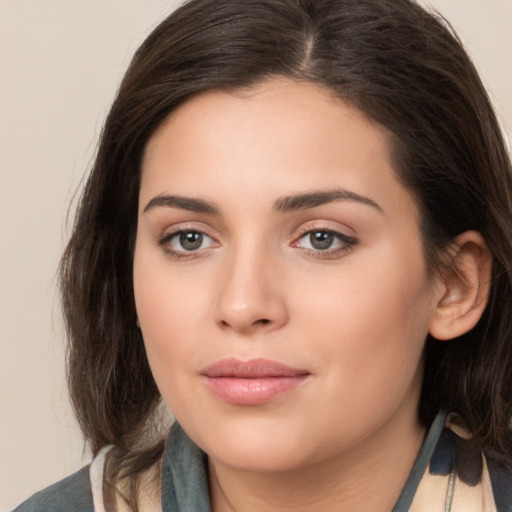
(60, 64)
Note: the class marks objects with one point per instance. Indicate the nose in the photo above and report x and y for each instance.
(251, 299)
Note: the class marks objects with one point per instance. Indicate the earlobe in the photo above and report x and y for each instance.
(464, 288)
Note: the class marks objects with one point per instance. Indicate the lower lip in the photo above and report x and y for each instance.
(252, 391)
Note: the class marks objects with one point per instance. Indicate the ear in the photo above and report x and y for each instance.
(463, 288)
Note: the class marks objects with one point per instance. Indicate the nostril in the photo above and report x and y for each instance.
(245, 325)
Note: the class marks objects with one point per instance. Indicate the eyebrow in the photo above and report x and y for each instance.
(184, 203)
(282, 205)
(313, 199)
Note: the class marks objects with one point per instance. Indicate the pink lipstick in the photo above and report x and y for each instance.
(251, 382)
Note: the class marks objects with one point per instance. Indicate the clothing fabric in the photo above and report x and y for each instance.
(447, 476)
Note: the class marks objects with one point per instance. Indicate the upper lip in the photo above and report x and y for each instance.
(253, 368)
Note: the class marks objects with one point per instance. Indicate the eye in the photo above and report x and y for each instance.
(320, 240)
(186, 242)
(324, 242)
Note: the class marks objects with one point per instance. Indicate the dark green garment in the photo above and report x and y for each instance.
(185, 480)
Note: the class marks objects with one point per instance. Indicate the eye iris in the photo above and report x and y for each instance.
(191, 241)
(321, 239)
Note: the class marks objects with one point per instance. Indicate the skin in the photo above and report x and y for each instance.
(355, 316)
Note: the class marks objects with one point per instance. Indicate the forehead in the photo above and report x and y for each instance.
(279, 100)
(280, 134)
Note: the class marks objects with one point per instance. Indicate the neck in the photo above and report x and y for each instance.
(369, 476)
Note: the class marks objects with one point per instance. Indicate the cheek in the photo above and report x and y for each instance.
(168, 312)
(383, 291)
(371, 322)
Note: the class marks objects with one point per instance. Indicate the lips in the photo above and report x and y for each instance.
(251, 382)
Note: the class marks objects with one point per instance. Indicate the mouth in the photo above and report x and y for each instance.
(252, 382)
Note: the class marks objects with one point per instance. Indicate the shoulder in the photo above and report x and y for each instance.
(501, 481)
(467, 459)
(71, 493)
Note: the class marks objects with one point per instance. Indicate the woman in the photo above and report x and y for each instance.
(297, 235)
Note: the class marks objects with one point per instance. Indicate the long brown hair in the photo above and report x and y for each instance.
(402, 67)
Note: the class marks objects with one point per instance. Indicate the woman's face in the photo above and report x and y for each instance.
(279, 278)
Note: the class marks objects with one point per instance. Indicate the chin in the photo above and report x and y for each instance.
(259, 459)
(260, 447)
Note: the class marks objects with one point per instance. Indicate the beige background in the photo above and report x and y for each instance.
(60, 63)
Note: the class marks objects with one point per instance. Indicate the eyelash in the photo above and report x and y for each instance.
(347, 243)
(166, 241)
